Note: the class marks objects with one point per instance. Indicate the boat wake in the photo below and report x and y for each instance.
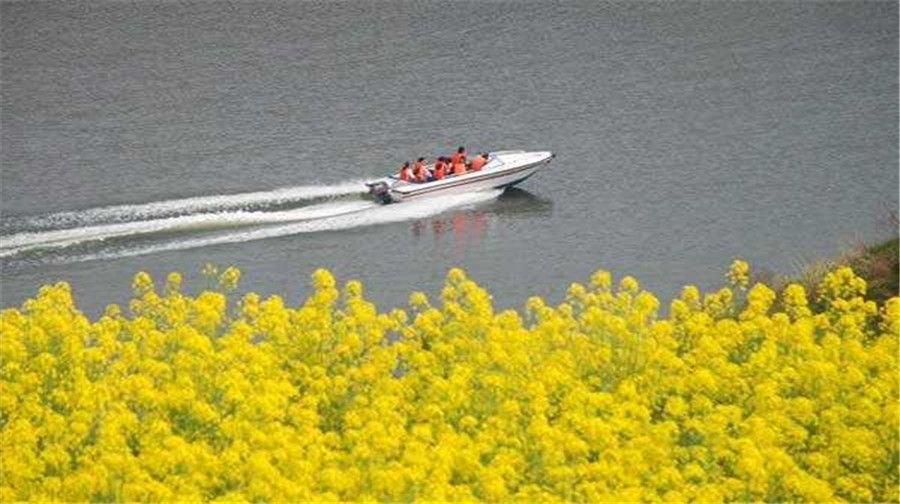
(22, 242)
(261, 200)
(128, 230)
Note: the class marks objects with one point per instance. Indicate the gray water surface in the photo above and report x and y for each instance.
(687, 134)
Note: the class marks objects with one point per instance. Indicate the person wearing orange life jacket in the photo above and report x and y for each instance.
(419, 166)
(478, 162)
(404, 172)
(459, 167)
(420, 174)
(459, 155)
(439, 169)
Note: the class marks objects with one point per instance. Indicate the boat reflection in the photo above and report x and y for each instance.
(520, 201)
(469, 226)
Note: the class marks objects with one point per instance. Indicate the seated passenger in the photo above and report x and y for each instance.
(478, 162)
(439, 169)
(459, 167)
(419, 165)
(420, 174)
(459, 155)
(404, 172)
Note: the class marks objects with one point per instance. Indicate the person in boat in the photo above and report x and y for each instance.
(459, 166)
(419, 167)
(440, 168)
(478, 162)
(459, 155)
(404, 172)
(420, 173)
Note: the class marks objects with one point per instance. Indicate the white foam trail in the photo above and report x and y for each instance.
(22, 242)
(191, 205)
(381, 214)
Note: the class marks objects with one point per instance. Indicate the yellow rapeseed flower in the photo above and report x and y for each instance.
(596, 399)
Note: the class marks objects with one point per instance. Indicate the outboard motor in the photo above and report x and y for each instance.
(380, 190)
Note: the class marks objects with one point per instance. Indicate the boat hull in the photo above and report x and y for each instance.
(504, 169)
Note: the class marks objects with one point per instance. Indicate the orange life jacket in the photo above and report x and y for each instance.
(404, 174)
(478, 163)
(458, 157)
(459, 168)
(438, 170)
(418, 166)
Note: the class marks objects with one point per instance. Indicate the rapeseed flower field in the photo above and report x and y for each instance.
(736, 395)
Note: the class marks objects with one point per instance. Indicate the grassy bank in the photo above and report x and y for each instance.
(878, 264)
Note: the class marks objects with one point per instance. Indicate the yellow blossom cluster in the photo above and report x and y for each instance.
(598, 399)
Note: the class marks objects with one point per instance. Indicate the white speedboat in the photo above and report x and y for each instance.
(503, 169)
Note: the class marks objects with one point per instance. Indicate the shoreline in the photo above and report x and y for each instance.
(878, 263)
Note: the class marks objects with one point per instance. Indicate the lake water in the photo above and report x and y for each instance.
(687, 134)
